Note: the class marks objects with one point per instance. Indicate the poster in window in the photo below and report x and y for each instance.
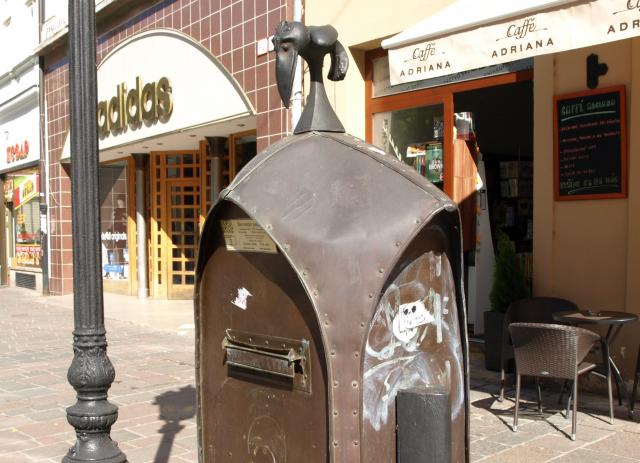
(590, 145)
(113, 222)
(26, 205)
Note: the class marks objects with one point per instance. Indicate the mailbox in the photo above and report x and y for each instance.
(328, 282)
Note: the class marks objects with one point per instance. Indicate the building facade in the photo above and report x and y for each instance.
(21, 228)
(186, 96)
(586, 250)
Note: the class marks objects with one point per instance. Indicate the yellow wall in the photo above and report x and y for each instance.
(362, 25)
(588, 251)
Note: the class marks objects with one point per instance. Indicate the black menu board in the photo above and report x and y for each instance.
(590, 145)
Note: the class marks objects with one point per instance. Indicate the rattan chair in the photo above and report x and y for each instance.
(636, 380)
(529, 310)
(552, 351)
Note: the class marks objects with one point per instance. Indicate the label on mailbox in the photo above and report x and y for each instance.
(245, 235)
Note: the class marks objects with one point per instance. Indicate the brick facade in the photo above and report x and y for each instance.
(228, 29)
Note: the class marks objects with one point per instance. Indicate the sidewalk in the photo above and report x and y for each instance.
(151, 345)
(154, 385)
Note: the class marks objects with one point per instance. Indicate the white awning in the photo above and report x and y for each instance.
(470, 34)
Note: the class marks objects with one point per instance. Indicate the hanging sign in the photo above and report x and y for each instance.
(577, 25)
(24, 189)
(590, 151)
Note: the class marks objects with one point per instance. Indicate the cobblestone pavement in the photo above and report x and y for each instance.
(154, 385)
(154, 389)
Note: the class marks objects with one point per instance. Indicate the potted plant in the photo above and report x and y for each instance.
(508, 285)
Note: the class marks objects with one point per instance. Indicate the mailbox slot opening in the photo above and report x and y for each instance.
(271, 356)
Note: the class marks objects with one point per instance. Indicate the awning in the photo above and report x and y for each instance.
(471, 34)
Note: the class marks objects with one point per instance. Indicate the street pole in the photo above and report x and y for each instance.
(91, 372)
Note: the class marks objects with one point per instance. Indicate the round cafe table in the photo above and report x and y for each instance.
(614, 320)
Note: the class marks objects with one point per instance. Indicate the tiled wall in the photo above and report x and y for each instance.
(56, 86)
(230, 30)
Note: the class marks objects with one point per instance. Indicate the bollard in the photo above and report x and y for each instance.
(423, 425)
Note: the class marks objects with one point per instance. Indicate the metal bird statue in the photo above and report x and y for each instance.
(312, 43)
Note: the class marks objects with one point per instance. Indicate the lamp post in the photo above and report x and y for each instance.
(91, 372)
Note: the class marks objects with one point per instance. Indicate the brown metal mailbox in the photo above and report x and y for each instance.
(328, 280)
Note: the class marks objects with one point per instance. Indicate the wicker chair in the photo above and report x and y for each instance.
(529, 310)
(636, 380)
(554, 351)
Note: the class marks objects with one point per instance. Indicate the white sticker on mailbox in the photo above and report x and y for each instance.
(241, 298)
(409, 318)
(245, 235)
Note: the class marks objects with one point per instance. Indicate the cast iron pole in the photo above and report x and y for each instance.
(91, 372)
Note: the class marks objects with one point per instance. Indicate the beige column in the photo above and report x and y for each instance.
(543, 88)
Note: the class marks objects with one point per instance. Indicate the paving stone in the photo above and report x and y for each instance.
(16, 458)
(47, 415)
(557, 442)
(511, 438)
(620, 444)
(137, 410)
(588, 433)
(124, 435)
(590, 456)
(67, 436)
(148, 454)
(486, 447)
(46, 428)
(525, 453)
(9, 448)
(44, 380)
(57, 451)
(188, 442)
(8, 422)
(189, 457)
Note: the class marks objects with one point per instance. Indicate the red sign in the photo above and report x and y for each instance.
(17, 152)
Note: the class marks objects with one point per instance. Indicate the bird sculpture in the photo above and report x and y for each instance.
(312, 43)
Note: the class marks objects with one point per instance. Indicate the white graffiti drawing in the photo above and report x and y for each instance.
(414, 340)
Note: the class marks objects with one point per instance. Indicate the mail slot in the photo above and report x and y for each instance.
(269, 355)
(328, 285)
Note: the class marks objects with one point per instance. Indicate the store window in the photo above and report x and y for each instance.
(26, 219)
(114, 221)
(415, 136)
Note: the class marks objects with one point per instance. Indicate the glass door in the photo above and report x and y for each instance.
(183, 208)
(175, 222)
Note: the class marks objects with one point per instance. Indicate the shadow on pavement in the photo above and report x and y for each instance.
(175, 406)
(528, 410)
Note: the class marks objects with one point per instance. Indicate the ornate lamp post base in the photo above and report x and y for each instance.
(91, 373)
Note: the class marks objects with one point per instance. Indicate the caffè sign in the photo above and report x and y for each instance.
(131, 108)
(550, 30)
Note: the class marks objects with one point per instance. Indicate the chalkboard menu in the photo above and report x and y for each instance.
(590, 159)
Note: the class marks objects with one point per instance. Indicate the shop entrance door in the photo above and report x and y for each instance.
(175, 222)
(183, 207)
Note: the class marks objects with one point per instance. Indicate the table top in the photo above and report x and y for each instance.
(601, 317)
